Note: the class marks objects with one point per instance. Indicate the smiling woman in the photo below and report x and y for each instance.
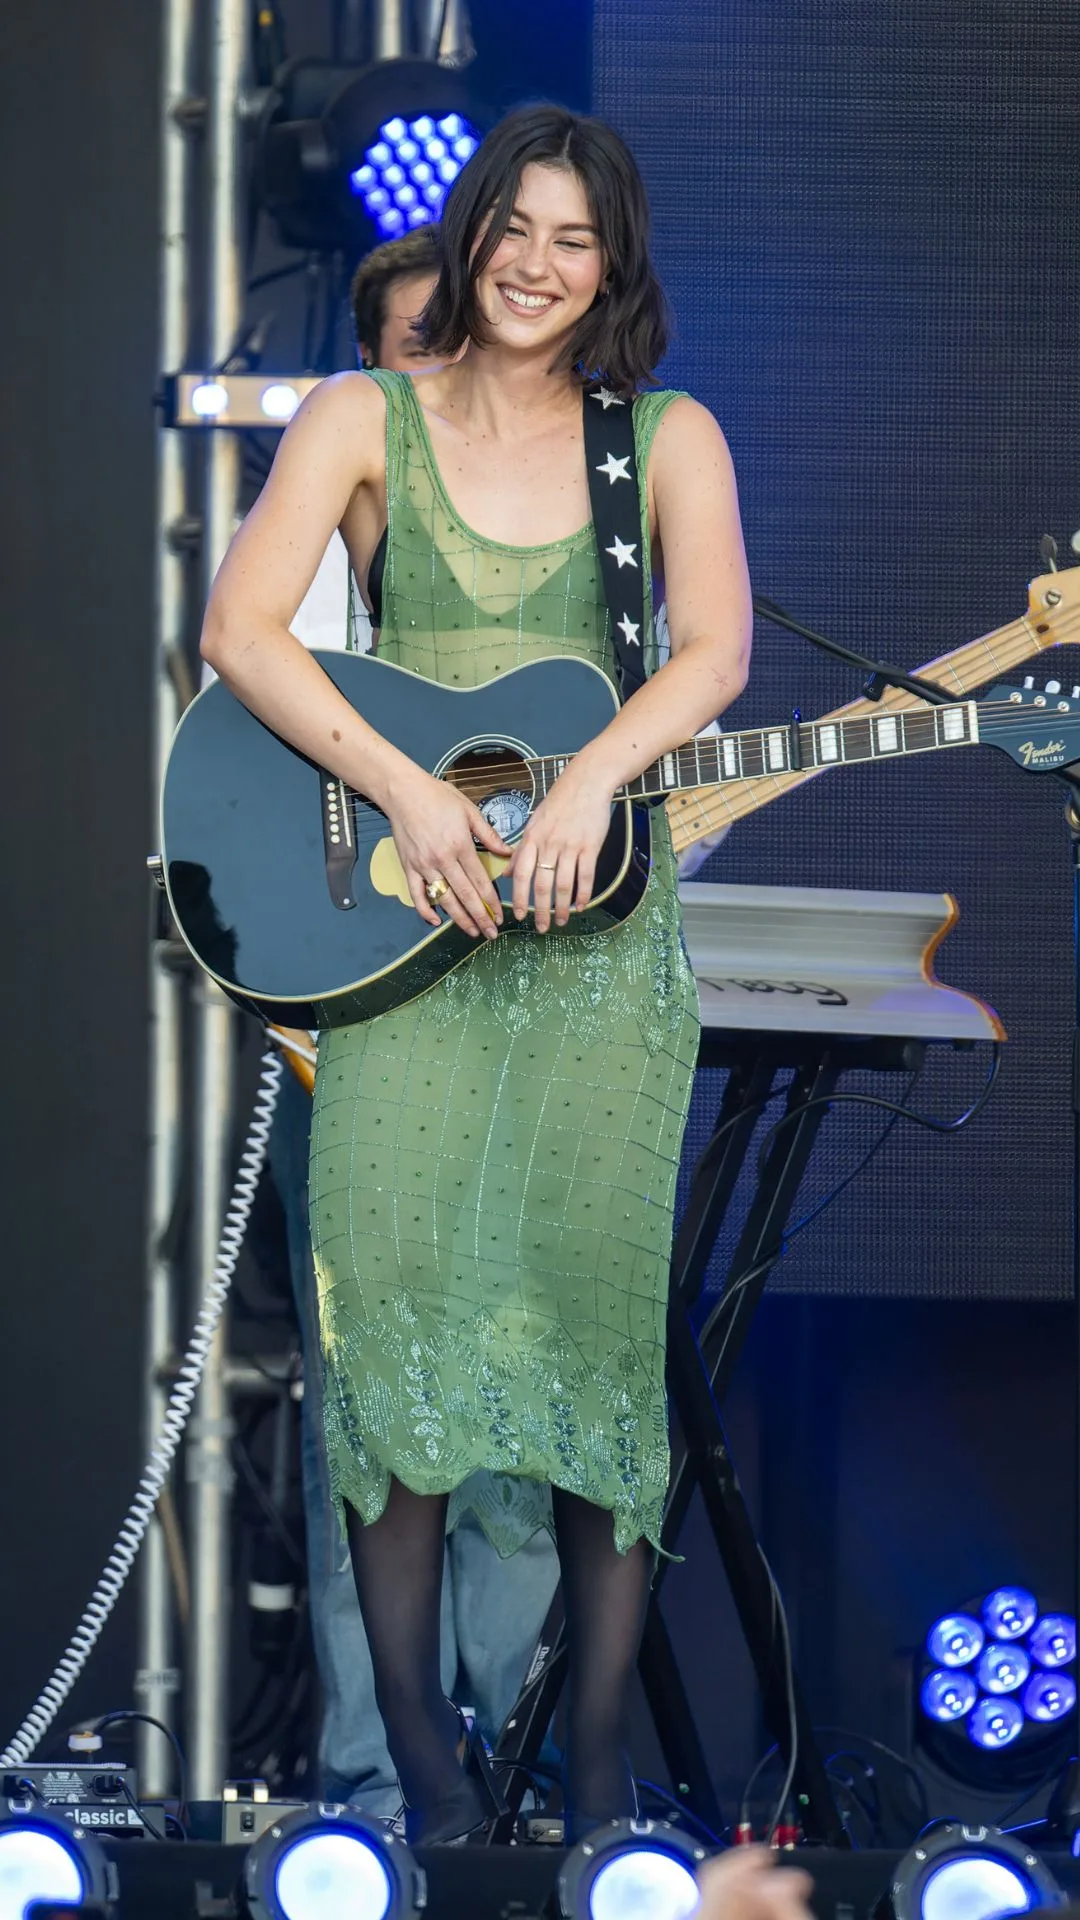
(493, 1165)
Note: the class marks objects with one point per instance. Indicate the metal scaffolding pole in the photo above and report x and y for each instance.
(209, 1469)
(156, 1679)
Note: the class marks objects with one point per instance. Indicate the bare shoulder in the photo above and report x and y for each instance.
(346, 409)
(688, 430)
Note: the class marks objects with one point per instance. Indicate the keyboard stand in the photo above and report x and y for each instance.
(700, 1366)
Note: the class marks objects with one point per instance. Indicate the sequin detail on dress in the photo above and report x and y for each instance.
(493, 1166)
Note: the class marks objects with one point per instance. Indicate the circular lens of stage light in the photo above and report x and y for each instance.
(1009, 1612)
(955, 1639)
(279, 402)
(36, 1866)
(948, 1696)
(209, 399)
(974, 1886)
(325, 1876)
(643, 1883)
(995, 1723)
(1053, 1640)
(1049, 1696)
(1003, 1668)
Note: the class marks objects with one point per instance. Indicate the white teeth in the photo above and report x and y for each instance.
(527, 299)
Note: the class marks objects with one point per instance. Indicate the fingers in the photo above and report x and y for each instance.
(745, 1884)
(420, 900)
(478, 902)
(484, 832)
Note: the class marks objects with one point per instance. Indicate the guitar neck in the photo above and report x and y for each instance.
(708, 808)
(806, 747)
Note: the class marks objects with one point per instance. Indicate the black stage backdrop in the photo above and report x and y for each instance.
(868, 222)
(78, 157)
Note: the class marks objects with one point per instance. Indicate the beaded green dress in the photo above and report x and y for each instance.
(493, 1165)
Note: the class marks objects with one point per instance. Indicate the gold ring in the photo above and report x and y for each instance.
(549, 866)
(436, 888)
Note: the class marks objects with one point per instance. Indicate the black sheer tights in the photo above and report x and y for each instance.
(398, 1568)
(605, 1594)
(398, 1562)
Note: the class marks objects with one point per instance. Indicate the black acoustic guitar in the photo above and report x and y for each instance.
(286, 884)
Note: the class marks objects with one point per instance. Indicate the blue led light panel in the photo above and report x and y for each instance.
(408, 171)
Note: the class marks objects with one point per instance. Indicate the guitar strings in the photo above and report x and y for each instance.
(475, 781)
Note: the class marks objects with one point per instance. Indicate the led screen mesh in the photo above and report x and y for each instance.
(867, 218)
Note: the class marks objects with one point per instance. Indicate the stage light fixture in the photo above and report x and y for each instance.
(326, 1862)
(347, 156)
(44, 1859)
(1009, 1612)
(995, 1701)
(955, 1872)
(233, 399)
(644, 1868)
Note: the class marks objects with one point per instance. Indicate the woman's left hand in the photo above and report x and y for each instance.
(555, 859)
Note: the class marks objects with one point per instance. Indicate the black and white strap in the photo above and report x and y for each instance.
(611, 459)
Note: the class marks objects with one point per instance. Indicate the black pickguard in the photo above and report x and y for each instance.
(267, 867)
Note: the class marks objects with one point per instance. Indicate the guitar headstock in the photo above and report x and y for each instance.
(1038, 728)
(1054, 607)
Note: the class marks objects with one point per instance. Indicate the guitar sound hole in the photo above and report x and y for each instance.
(498, 781)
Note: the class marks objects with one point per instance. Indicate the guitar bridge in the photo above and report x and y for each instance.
(339, 839)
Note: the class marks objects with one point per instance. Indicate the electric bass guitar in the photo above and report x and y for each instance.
(1052, 619)
(286, 884)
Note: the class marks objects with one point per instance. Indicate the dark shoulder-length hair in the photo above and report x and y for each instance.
(625, 331)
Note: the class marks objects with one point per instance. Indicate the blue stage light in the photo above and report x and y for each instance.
(209, 399)
(1002, 1669)
(1053, 1640)
(1009, 1612)
(643, 1868)
(955, 1872)
(1049, 1697)
(955, 1640)
(652, 1885)
(995, 1723)
(973, 1888)
(322, 1863)
(413, 155)
(948, 1696)
(43, 1859)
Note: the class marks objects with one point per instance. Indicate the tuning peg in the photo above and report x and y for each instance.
(1053, 686)
(1048, 551)
(1075, 694)
(1075, 541)
(1029, 682)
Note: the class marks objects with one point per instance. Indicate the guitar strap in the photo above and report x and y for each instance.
(611, 460)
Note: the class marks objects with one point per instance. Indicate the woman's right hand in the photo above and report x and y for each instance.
(435, 831)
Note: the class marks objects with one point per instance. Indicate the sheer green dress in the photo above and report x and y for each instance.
(493, 1166)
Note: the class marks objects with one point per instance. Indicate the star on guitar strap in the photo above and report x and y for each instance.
(611, 459)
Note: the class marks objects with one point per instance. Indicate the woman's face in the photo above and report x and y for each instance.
(548, 267)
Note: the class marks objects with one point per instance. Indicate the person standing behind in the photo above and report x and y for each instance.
(493, 1610)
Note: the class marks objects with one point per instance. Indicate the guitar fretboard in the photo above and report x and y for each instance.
(807, 746)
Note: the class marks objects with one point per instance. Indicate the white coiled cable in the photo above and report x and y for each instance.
(141, 1511)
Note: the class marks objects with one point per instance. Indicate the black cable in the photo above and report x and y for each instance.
(927, 1120)
(266, 1505)
(893, 676)
(122, 1787)
(808, 1219)
(906, 1767)
(684, 1812)
(118, 1717)
(1039, 1787)
(277, 273)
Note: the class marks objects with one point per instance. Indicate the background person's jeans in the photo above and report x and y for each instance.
(492, 1609)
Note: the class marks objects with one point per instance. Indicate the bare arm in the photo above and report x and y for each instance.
(710, 621)
(332, 449)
